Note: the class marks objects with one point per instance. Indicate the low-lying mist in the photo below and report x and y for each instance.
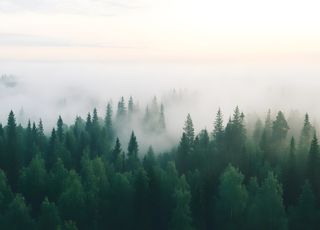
(43, 90)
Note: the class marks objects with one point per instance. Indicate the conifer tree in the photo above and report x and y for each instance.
(60, 132)
(306, 135)
(162, 120)
(133, 146)
(121, 112)
(189, 130)
(181, 217)
(108, 123)
(314, 165)
(291, 177)
(218, 127)
(13, 157)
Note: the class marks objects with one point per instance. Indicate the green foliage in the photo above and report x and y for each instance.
(267, 210)
(181, 217)
(79, 177)
(232, 200)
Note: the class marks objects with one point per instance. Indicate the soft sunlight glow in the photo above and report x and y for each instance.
(159, 30)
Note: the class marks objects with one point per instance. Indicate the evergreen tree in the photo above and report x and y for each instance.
(130, 108)
(189, 130)
(291, 177)
(132, 152)
(314, 166)
(121, 112)
(17, 216)
(181, 217)
(280, 128)
(305, 138)
(13, 157)
(162, 120)
(258, 131)
(218, 127)
(5, 193)
(108, 123)
(32, 182)
(305, 215)
(133, 146)
(72, 201)
(267, 136)
(88, 123)
(141, 205)
(232, 200)
(183, 155)
(49, 218)
(267, 210)
(116, 157)
(60, 131)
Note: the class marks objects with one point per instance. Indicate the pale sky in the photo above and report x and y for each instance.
(160, 30)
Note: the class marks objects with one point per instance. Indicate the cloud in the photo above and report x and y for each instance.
(28, 40)
(91, 7)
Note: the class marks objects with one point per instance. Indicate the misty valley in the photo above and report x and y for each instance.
(101, 172)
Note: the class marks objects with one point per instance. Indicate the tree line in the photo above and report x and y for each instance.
(82, 177)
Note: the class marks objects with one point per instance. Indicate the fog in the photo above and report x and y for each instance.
(48, 89)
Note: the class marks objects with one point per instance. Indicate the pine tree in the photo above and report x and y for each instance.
(266, 135)
(181, 218)
(130, 108)
(88, 123)
(133, 146)
(189, 130)
(121, 112)
(116, 151)
(162, 120)
(60, 131)
(280, 128)
(232, 199)
(306, 135)
(18, 215)
(291, 177)
(258, 131)
(267, 210)
(314, 165)
(183, 155)
(13, 157)
(218, 127)
(108, 123)
(32, 182)
(49, 216)
(305, 215)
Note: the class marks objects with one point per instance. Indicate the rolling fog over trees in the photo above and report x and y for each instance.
(82, 176)
(181, 149)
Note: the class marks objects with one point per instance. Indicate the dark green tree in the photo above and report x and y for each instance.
(232, 200)
(314, 166)
(291, 176)
(33, 182)
(14, 159)
(189, 130)
(267, 210)
(108, 123)
(306, 135)
(49, 216)
(181, 218)
(18, 215)
(305, 215)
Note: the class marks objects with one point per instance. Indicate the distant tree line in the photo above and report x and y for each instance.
(82, 177)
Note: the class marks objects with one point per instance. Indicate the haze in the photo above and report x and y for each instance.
(69, 57)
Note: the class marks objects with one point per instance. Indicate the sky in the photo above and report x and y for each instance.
(160, 30)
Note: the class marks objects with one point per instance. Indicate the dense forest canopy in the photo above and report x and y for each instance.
(82, 176)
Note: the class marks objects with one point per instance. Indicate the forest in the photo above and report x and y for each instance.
(81, 176)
